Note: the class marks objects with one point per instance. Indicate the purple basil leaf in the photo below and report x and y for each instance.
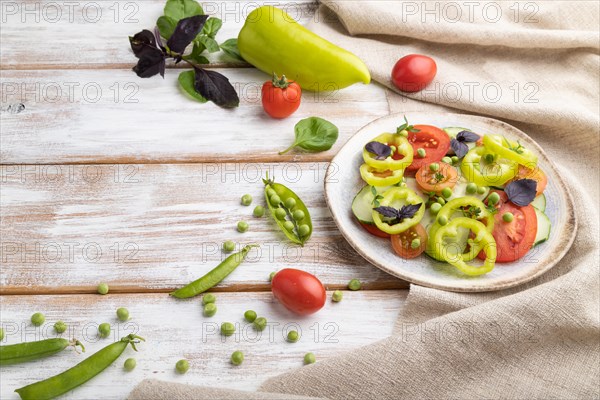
(185, 31)
(142, 42)
(521, 192)
(467, 137)
(381, 150)
(150, 64)
(388, 212)
(408, 211)
(459, 148)
(158, 38)
(216, 88)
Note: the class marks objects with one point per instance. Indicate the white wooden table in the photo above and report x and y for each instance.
(107, 177)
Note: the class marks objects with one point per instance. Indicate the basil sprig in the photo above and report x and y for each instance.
(314, 134)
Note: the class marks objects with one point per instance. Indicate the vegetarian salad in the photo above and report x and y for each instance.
(460, 197)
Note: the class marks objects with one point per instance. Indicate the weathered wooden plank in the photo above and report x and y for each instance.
(112, 116)
(93, 34)
(176, 329)
(65, 228)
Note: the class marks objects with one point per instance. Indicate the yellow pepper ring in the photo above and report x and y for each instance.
(498, 173)
(403, 147)
(394, 194)
(375, 177)
(510, 149)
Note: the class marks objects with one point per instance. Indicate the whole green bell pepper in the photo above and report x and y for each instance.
(273, 42)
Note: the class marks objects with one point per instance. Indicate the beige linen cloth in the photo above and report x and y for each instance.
(540, 340)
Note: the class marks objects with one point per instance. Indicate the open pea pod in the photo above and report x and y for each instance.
(288, 211)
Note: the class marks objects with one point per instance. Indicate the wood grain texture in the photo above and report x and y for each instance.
(176, 329)
(112, 116)
(66, 228)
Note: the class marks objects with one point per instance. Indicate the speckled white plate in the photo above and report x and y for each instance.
(343, 181)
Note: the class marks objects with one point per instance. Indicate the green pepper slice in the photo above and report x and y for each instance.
(400, 159)
(375, 177)
(475, 169)
(395, 194)
(483, 240)
(510, 149)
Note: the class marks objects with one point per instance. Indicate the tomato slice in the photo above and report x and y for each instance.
(401, 243)
(533, 173)
(513, 239)
(430, 181)
(375, 231)
(433, 140)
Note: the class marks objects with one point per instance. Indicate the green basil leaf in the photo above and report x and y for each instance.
(196, 54)
(186, 82)
(230, 48)
(213, 25)
(179, 9)
(166, 26)
(314, 134)
(211, 44)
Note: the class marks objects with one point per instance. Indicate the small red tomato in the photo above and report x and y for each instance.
(280, 97)
(299, 291)
(413, 72)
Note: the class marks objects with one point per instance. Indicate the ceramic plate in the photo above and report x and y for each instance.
(343, 182)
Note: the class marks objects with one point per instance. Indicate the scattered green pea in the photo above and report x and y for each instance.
(104, 329)
(280, 213)
(337, 296)
(259, 211)
(303, 230)
(227, 329)
(309, 358)
(447, 192)
(130, 364)
(210, 310)
(122, 314)
(274, 200)
(507, 217)
(442, 220)
(38, 319)
(1, 334)
(103, 288)
(435, 208)
(421, 153)
(242, 226)
(433, 167)
(260, 323)
(209, 298)
(237, 357)
(246, 200)
(471, 188)
(480, 189)
(489, 158)
(298, 215)
(290, 203)
(288, 225)
(447, 160)
(60, 327)
(354, 284)
(182, 366)
(293, 336)
(440, 200)
(493, 199)
(228, 246)
(415, 244)
(250, 316)
(393, 148)
(403, 132)
(271, 275)
(455, 160)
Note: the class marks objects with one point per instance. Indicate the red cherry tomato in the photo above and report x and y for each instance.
(375, 231)
(433, 140)
(402, 243)
(413, 72)
(299, 291)
(280, 97)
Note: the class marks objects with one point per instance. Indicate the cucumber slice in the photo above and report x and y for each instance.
(543, 227)
(362, 205)
(539, 202)
(452, 131)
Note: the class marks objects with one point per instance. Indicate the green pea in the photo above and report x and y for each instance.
(103, 288)
(303, 230)
(403, 133)
(447, 160)
(433, 167)
(293, 336)
(298, 215)
(130, 364)
(250, 316)
(210, 310)
(122, 314)
(104, 329)
(182, 366)
(394, 149)
(1, 334)
(242, 226)
(435, 208)
(440, 200)
(280, 213)
(274, 200)
(259, 211)
(455, 160)
(447, 192)
(260, 323)
(228, 246)
(237, 357)
(246, 200)
(309, 358)
(493, 198)
(481, 189)
(354, 284)
(415, 244)
(471, 188)
(442, 220)
(489, 158)
(271, 192)
(337, 296)
(209, 298)
(288, 225)
(271, 275)
(60, 327)
(421, 153)
(290, 203)
(227, 329)
(507, 217)
(38, 319)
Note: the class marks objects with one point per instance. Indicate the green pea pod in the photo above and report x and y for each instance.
(301, 227)
(29, 351)
(215, 276)
(273, 42)
(79, 374)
